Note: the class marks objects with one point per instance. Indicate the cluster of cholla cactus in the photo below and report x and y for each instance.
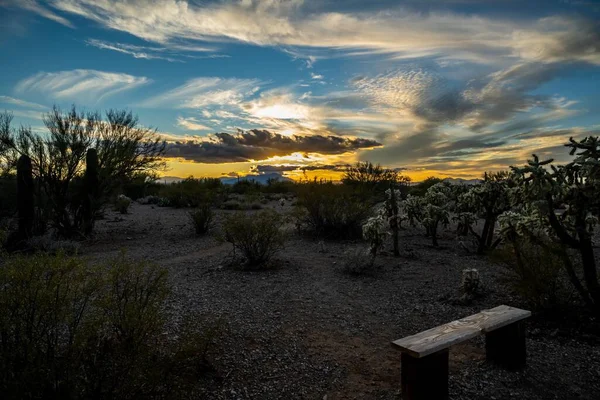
(487, 201)
(375, 230)
(557, 207)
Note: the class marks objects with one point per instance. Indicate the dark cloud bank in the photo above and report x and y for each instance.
(261, 144)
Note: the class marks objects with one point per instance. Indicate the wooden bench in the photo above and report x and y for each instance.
(425, 355)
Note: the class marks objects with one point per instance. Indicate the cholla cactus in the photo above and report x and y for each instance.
(576, 187)
(470, 282)
(465, 221)
(375, 231)
(392, 197)
(122, 203)
(413, 209)
(488, 200)
(435, 211)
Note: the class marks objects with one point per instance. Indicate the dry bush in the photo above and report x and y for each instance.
(258, 236)
(202, 218)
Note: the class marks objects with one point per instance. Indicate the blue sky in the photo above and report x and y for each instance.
(450, 88)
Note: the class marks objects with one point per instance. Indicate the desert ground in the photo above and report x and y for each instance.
(306, 330)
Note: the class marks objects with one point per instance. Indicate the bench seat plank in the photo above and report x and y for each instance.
(439, 338)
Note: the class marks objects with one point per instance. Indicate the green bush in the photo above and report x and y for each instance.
(257, 236)
(202, 218)
(71, 331)
(332, 211)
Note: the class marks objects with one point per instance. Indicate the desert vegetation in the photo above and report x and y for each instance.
(297, 272)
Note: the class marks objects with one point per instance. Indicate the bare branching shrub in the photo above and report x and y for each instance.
(124, 150)
(258, 237)
(71, 331)
(202, 219)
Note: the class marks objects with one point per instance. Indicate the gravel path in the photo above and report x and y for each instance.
(307, 331)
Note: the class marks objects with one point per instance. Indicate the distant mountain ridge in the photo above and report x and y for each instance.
(461, 181)
(262, 179)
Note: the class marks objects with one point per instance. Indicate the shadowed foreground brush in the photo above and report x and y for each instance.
(71, 331)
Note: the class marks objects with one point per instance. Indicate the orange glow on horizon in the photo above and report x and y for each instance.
(183, 169)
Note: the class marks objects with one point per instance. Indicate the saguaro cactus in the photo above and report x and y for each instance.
(90, 190)
(25, 205)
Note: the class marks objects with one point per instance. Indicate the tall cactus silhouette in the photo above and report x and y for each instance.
(25, 205)
(90, 190)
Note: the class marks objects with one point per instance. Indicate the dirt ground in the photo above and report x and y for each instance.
(305, 330)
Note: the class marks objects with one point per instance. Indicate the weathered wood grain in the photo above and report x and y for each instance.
(444, 336)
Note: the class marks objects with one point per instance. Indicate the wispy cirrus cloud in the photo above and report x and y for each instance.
(21, 103)
(205, 91)
(192, 124)
(173, 53)
(38, 8)
(398, 32)
(80, 83)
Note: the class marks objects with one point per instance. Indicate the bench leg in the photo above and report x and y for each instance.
(425, 378)
(506, 346)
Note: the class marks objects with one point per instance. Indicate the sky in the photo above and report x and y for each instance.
(304, 87)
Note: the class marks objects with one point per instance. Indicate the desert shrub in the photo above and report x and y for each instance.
(58, 157)
(258, 237)
(374, 179)
(8, 195)
(202, 218)
(421, 188)
(332, 211)
(122, 203)
(231, 204)
(192, 192)
(149, 200)
(48, 244)
(536, 273)
(141, 185)
(278, 186)
(71, 331)
(246, 186)
(358, 261)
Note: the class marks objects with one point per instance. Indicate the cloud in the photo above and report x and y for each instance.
(205, 91)
(191, 124)
(36, 7)
(260, 145)
(141, 52)
(80, 83)
(268, 168)
(397, 31)
(21, 103)
(173, 53)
